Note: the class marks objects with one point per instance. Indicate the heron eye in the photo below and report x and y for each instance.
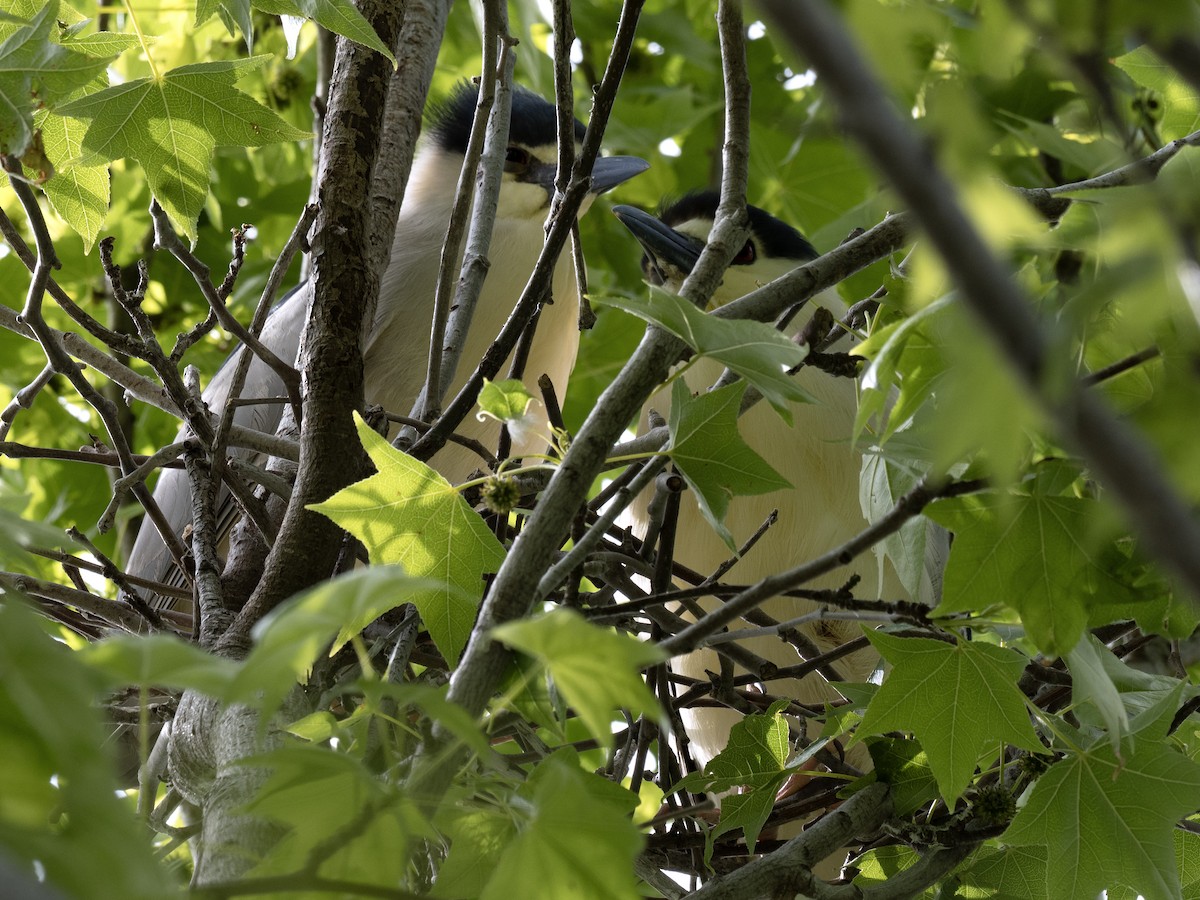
(516, 159)
(745, 256)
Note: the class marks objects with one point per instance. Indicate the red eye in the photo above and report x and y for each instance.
(516, 159)
(745, 256)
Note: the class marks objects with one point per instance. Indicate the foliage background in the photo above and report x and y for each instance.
(1025, 94)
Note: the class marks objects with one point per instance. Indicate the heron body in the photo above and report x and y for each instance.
(396, 344)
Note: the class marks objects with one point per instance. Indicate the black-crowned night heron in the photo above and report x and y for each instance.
(816, 454)
(396, 346)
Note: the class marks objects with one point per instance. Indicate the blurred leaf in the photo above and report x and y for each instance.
(1031, 552)
(161, 661)
(292, 637)
(478, 837)
(597, 670)
(1178, 99)
(58, 800)
(314, 792)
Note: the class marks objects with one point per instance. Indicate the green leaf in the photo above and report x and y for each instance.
(477, 839)
(1187, 858)
(756, 351)
(1177, 99)
(957, 700)
(876, 866)
(1004, 873)
(80, 195)
(505, 401)
(234, 13)
(755, 759)
(904, 764)
(293, 636)
(1090, 803)
(160, 661)
(339, 16)
(755, 755)
(1090, 684)
(596, 670)
(909, 346)
(708, 451)
(884, 480)
(173, 124)
(17, 534)
(409, 514)
(34, 71)
(1028, 552)
(578, 843)
(315, 793)
(1091, 157)
(58, 790)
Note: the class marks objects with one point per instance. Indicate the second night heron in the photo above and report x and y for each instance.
(815, 453)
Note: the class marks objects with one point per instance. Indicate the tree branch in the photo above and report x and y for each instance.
(1119, 455)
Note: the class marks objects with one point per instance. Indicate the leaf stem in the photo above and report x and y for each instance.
(137, 29)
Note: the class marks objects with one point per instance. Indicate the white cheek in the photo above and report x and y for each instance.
(522, 202)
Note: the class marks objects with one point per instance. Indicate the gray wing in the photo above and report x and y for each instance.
(150, 557)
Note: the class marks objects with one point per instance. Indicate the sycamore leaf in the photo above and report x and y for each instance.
(172, 125)
(1005, 873)
(1187, 858)
(877, 866)
(409, 514)
(756, 351)
(904, 764)
(755, 755)
(1028, 552)
(596, 670)
(339, 16)
(957, 700)
(235, 14)
(1091, 802)
(578, 842)
(755, 760)
(711, 455)
(509, 401)
(1091, 686)
(36, 71)
(884, 480)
